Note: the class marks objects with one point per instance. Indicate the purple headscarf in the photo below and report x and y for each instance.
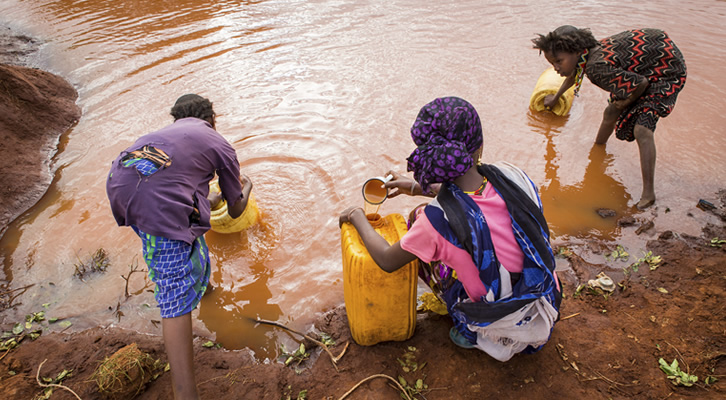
(447, 132)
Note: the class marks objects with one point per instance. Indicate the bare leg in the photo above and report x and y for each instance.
(646, 145)
(607, 126)
(177, 334)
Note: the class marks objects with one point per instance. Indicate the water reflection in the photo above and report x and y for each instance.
(241, 277)
(571, 210)
(229, 314)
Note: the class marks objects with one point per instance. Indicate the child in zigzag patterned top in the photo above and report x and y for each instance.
(643, 71)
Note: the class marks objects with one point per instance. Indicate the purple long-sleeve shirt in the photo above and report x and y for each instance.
(161, 204)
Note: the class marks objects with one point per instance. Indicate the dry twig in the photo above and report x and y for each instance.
(133, 269)
(403, 391)
(569, 316)
(7, 303)
(7, 292)
(582, 377)
(612, 382)
(683, 360)
(634, 320)
(319, 343)
(37, 379)
(230, 376)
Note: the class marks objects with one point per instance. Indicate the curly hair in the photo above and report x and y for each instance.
(567, 39)
(192, 105)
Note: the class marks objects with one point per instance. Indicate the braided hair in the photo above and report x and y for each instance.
(192, 105)
(567, 39)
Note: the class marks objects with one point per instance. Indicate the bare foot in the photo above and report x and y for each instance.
(645, 203)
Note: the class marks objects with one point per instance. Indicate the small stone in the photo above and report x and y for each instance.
(644, 227)
(626, 221)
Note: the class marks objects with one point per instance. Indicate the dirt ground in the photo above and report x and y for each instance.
(606, 345)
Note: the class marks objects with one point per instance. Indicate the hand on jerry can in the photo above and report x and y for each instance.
(549, 101)
(547, 86)
(222, 222)
(380, 305)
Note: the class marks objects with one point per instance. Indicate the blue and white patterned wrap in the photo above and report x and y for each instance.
(179, 270)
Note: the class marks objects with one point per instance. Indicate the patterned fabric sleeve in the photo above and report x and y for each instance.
(605, 74)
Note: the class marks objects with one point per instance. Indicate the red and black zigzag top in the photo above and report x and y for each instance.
(623, 61)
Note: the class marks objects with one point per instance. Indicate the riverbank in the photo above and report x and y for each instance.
(607, 345)
(37, 108)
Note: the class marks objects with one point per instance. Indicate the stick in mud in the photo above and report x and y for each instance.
(319, 343)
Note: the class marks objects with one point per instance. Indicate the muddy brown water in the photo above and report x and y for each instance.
(316, 97)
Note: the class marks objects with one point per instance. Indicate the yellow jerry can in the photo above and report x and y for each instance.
(221, 222)
(381, 306)
(549, 82)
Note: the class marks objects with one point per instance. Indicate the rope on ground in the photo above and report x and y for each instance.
(37, 379)
(319, 343)
(403, 391)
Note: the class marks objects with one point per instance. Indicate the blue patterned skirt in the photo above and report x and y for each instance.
(180, 271)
